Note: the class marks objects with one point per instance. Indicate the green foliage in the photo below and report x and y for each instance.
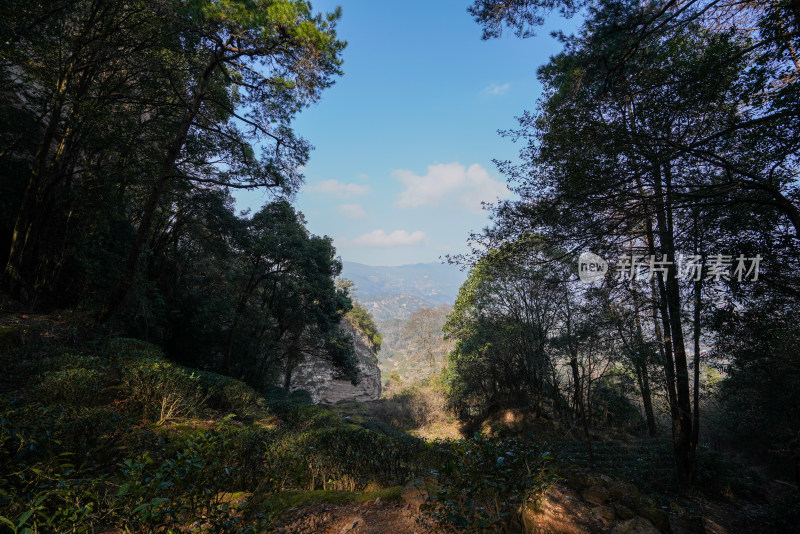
(613, 406)
(365, 323)
(40, 485)
(143, 472)
(227, 394)
(722, 476)
(503, 322)
(342, 458)
(287, 302)
(761, 392)
(163, 475)
(292, 406)
(127, 348)
(161, 389)
(664, 133)
(181, 489)
(487, 482)
(220, 290)
(77, 386)
(75, 216)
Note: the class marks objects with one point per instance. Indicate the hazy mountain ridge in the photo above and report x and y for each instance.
(387, 307)
(392, 295)
(435, 283)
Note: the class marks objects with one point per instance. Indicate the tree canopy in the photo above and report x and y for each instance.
(666, 141)
(128, 126)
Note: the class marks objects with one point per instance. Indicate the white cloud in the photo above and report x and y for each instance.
(497, 90)
(341, 190)
(398, 238)
(363, 176)
(352, 211)
(451, 184)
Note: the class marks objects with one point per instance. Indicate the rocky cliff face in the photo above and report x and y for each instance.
(318, 377)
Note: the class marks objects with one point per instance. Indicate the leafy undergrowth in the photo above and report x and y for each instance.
(110, 435)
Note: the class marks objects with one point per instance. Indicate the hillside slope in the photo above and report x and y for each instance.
(174, 449)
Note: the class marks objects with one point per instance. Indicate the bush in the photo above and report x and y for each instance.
(722, 476)
(487, 482)
(69, 359)
(341, 458)
(284, 402)
(611, 402)
(162, 390)
(180, 490)
(230, 395)
(72, 386)
(40, 483)
(125, 348)
(413, 407)
(88, 468)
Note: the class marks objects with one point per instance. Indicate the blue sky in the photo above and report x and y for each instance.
(404, 141)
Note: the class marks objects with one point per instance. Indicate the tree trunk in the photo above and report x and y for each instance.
(28, 217)
(165, 175)
(578, 381)
(662, 330)
(698, 295)
(647, 399)
(641, 368)
(695, 442)
(683, 423)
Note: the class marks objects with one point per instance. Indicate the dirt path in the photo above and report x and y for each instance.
(371, 517)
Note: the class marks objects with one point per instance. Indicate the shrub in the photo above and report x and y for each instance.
(186, 489)
(40, 485)
(612, 403)
(72, 386)
(228, 394)
(162, 390)
(125, 348)
(413, 407)
(720, 475)
(284, 402)
(341, 458)
(486, 482)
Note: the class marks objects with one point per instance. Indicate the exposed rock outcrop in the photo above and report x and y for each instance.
(318, 376)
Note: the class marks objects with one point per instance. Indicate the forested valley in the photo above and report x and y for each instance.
(622, 357)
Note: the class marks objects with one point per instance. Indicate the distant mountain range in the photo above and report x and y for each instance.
(392, 295)
(387, 307)
(435, 283)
